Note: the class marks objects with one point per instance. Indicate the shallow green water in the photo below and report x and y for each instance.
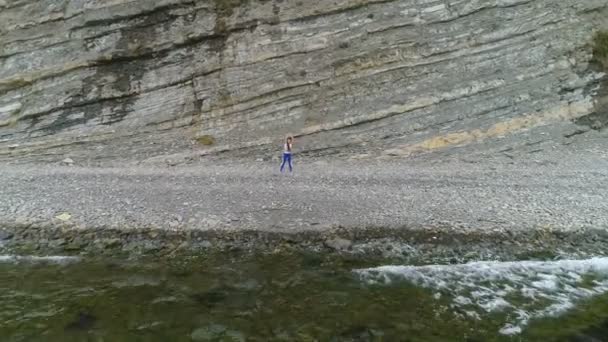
(285, 297)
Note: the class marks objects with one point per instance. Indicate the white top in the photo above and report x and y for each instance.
(287, 149)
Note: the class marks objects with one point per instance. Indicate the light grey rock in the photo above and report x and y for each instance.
(339, 244)
(204, 244)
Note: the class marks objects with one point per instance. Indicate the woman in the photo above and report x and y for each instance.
(287, 154)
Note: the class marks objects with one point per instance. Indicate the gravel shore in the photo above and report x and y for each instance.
(319, 195)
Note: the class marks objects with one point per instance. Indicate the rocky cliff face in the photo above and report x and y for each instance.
(392, 76)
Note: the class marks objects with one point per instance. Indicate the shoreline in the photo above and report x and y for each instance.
(440, 244)
(545, 203)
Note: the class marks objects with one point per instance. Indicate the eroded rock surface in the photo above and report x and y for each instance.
(141, 78)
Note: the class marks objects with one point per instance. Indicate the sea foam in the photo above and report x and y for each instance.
(524, 290)
(55, 259)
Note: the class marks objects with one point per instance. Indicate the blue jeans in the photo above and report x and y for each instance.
(286, 159)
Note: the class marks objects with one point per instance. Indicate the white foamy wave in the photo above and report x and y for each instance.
(525, 289)
(54, 259)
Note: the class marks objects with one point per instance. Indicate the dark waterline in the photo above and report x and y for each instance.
(243, 297)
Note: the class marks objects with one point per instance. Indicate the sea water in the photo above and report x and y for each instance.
(291, 296)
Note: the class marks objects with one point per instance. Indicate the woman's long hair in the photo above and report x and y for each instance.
(288, 141)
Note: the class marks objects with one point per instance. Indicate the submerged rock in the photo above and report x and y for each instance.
(208, 333)
(83, 321)
(210, 298)
(215, 332)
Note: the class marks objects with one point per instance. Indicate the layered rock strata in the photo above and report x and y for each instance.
(398, 76)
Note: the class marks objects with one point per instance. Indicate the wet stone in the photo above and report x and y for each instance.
(4, 235)
(57, 243)
(73, 246)
(111, 243)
